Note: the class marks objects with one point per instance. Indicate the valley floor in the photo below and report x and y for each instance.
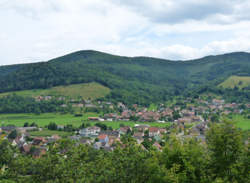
(64, 119)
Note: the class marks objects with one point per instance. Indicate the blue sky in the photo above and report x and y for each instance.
(38, 30)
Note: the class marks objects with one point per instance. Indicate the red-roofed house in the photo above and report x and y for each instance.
(103, 138)
(153, 131)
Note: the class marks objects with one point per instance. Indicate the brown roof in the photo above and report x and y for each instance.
(125, 128)
(153, 129)
(26, 148)
(102, 136)
(138, 134)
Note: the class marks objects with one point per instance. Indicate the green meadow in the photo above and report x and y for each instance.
(236, 81)
(241, 122)
(46, 133)
(64, 119)
(86, 90)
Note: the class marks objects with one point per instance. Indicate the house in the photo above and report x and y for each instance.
(196, 118)
(141, 128)
(163, 130)
(125, 129)
(112, 116)
(150, 116)
(113, 140)
(139, 137)
(186, 113)
(112, 134)
(18, 141)
(103, 138)
(184, 120)
(90, 131)
(53, 138)
(167, 113)
(126, 115)
(26, 148)
(217, 102)
(153, 131)
(37, 141)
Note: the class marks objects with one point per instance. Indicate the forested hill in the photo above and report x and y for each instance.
(131, 79)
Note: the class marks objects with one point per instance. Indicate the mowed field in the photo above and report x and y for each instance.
(86, 90)
(236, 81)
(64, 119)
(241, 122)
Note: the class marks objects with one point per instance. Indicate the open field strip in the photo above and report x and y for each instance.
(65, 119)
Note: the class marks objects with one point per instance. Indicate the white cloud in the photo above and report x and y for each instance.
(35, 30)
(177, 11)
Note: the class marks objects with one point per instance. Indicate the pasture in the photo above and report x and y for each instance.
(241, 122)
(65, 119)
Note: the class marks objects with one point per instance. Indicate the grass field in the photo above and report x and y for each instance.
(46, 133)
(239, 81)
(87, 90)
(241, 122)
(64, 119)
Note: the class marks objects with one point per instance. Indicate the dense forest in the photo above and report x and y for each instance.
(224, 157)
(141, 80)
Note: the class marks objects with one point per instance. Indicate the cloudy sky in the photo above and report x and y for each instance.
(38, 30)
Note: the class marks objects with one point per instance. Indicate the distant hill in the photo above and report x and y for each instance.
(86, 91)
(240, 82)
(142, 80)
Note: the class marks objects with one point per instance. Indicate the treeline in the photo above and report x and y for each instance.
(224, 158)
(18, 104)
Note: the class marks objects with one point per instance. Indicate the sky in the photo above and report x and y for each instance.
(39, 30)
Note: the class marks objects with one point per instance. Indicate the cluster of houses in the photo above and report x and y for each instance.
(35, 146)
(188, 114)
(93, 136)
(107, 139)
(191, 116)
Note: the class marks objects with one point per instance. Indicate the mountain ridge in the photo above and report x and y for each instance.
(145, 57)
(138, 79)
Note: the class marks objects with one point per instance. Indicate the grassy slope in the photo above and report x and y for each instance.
(63, 119)
(233, 81)
(88, 90)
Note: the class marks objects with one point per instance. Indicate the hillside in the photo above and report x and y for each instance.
(140, 80)
(236, 81)
(88, 90)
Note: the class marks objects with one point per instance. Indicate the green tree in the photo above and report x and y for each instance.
(226, 150)
(52, 126)
(13, 134)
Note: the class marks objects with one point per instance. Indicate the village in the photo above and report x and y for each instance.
(188, 119)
